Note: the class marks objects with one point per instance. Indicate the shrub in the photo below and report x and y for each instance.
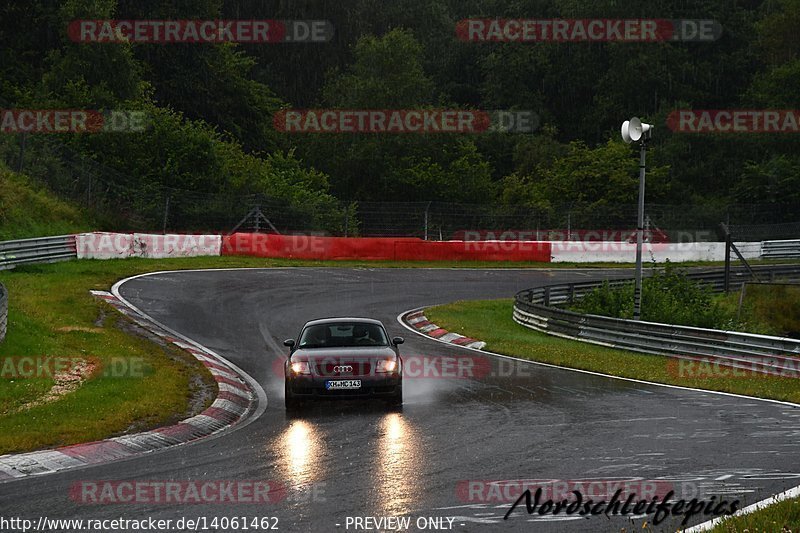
(668, 296)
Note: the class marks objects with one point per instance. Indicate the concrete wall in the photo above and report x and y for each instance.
(100, 245)
(625, 252)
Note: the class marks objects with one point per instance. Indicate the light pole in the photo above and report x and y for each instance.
(634, 130)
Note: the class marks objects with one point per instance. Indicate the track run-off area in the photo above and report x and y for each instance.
(432, 461)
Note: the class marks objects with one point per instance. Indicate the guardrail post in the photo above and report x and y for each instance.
(571, 292)
(547, 296)
(3, 312)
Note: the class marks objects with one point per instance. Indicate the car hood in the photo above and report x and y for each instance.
(358, 352)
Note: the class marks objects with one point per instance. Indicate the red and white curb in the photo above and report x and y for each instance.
(236, 401)
(418, 321)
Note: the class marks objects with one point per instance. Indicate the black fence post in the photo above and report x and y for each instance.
(727, 262)
(726, 233)
(166, 214)
(21, 160)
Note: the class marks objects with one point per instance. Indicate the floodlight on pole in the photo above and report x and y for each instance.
(634, 130)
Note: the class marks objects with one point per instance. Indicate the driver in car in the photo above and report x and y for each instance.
(361, 335)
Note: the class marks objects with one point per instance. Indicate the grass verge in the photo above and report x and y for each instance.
(777, 518)
(766, 308)
(491, 322)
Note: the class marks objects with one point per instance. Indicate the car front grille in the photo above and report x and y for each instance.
(343, 370)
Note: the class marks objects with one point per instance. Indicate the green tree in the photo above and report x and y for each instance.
(388, 74)
(594, 182)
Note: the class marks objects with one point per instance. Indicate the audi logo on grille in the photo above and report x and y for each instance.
(343, 368)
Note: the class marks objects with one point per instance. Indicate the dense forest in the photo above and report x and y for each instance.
(210, 109)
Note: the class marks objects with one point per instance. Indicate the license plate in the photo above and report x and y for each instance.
(345, 384)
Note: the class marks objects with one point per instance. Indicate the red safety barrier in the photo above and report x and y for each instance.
(381, 249)
(420, 250)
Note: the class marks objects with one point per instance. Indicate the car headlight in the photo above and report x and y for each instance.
(300, 367)
(386, 365)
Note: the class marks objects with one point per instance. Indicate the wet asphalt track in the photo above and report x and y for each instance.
(360, 460)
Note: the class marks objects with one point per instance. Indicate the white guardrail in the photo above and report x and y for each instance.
(39, 250)
(789, 249)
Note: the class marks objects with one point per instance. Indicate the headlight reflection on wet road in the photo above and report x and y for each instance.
(300, 444)
(399, 463)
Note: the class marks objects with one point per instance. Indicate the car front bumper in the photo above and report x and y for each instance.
(310, 387)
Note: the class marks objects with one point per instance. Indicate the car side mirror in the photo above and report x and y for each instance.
(289, 343)
(398, 340)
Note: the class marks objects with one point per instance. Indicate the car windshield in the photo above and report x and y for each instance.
(339, 334)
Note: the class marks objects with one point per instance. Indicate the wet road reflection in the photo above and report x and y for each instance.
(399, 461)
(300, 444)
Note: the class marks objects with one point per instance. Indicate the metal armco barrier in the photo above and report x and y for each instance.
(3, 312)
(39, 250)
(534, 308)
(781, 249)
(28, 251)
